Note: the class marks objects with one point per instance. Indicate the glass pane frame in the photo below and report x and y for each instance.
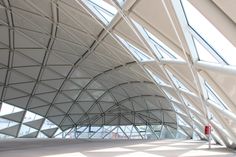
(205, 35)
(162, 51)
(137, 53)
(103, 10)
(214, 97)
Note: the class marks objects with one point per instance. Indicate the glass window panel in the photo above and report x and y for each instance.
(121, 2)
(3, 136)
(58, 133)
(181, 134)
(103, 10)
(4, 123)
(137, 53)
(30, 116)
(214, 97)
(195, 135)
(170, 96)
(177, 109)
(141, 56)
(8, 109)
(83, 128)
(190, 105)
(41, 135)
(203, 53)
(161, 49)
(180, 121)
(24, 130)
(209, 33)
(165, 51)
(135, 134)
(156, 78)
(178, 83)
(93, 128)
(68, 133)
(47, 125)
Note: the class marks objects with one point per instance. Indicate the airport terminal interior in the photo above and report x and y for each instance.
(117, 78)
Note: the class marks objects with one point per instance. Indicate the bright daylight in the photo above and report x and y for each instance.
(117, 78)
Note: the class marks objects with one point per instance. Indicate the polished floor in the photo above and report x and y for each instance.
(109, 148)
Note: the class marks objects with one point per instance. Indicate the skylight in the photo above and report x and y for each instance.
(177, 109)
(24, 130)
(214, 97)
(141, 56)
(160, 47)
(10, 116)
(195, 119)
(170, 96)
(181, 122)
(29, 116)
(181, 133)
(41, 135)
(47, 125)
(156, 78)
(104, 11)
(178, 83)
(190, 106)
(215, 39)
(162, 51)
(203, 53)
(4, 123)
(121, 2)
(8, 109)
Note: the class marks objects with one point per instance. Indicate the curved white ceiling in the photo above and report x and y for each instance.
(79, 63)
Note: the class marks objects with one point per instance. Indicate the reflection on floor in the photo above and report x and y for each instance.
(109, 148)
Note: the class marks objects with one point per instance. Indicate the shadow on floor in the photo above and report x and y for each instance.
(111, 148)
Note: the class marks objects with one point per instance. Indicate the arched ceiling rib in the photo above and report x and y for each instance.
(170, 27)
(57, 62)
(136, 66)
